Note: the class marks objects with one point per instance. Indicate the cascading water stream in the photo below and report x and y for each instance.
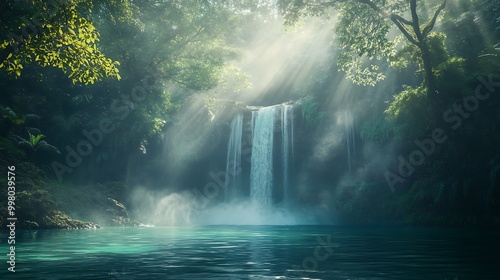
(261, 173)
(286, 112)
(233, 163)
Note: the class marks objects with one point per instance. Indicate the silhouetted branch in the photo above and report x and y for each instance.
(432, 22)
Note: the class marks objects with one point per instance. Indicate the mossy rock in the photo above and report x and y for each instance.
(99, 203)
(119, 214)
(122, 221)
(60, 220)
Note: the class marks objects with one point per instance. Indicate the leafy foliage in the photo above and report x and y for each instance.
(379, 130)
(310, 113)
(35, 139)
(362, 36)
(401, 107)
(8, 113)
(175, 49)
(34, 144)
(64, 39)
(363, 30)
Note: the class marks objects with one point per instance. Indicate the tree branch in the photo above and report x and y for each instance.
(403, 30)
(415, 20)
(399, 21)
(432, 22)
(374, 7)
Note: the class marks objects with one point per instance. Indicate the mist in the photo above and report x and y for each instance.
(277, 64)
(186, 209)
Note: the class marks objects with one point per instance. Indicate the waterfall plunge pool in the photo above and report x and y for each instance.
(256, 252)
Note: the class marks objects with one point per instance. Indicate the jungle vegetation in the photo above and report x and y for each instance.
(120, 71)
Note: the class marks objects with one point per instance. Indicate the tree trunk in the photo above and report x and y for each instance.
(430, 83)
(429, 78)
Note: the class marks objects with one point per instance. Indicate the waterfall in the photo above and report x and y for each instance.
(349, 131)
(233, 163)
(261, 172)
(286, 115)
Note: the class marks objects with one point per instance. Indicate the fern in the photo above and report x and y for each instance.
(44, 146)
(35, 139)
(33, 130)
(7, 113)
(34, 143)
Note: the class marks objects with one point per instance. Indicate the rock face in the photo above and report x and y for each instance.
(44, 211)
(60, 220)
(118, 214)
(99, 203)
(108, 212)
(56, 219)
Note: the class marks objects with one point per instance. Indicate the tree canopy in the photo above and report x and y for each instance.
(363, 31)
(57, 34)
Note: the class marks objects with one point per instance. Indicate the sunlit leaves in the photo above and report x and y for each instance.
(409, 54)
(185, 41)
(405, 102)
(122, 11)
(13, 66)
(199, 65)
(358, 72)
(405, 54)
(362, 35)
(363, 30)
(69, 43)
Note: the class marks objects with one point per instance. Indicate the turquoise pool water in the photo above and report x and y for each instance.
(255, 252)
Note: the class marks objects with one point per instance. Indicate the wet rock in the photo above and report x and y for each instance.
(118, 214)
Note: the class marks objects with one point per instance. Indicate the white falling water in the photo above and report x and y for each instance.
(233, 163)
(286, 113)
(261, 173)
(349, 131)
